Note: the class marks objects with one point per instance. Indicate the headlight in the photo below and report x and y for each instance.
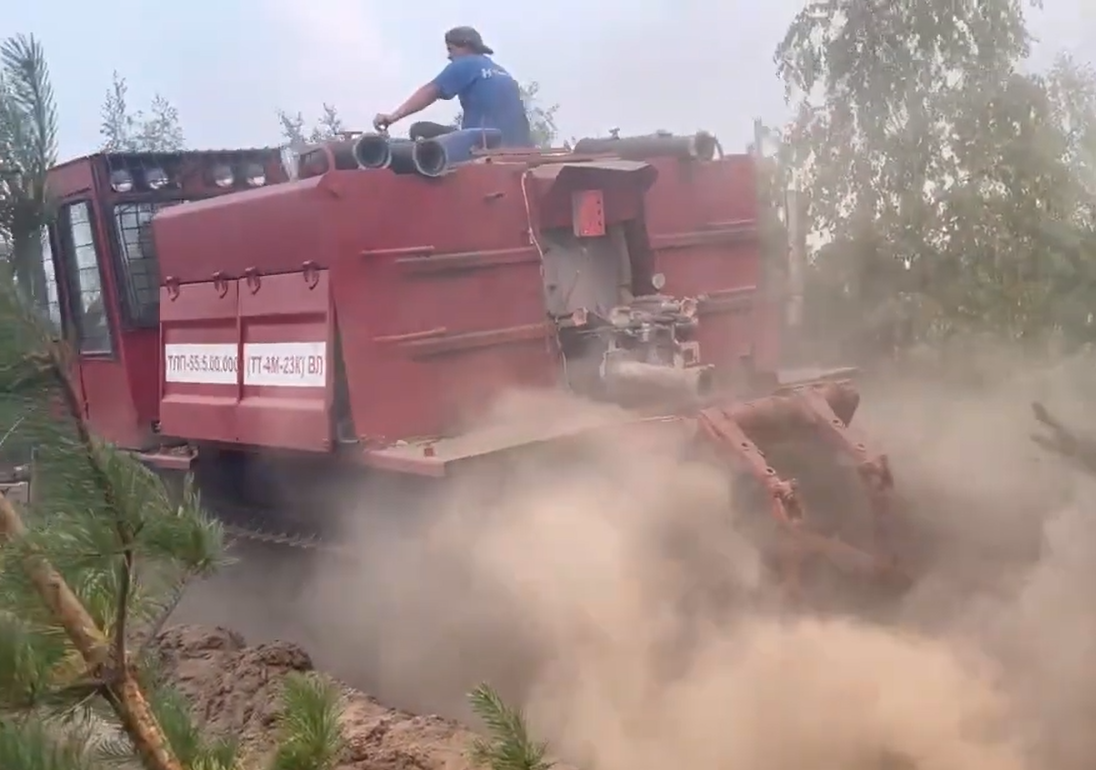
(121, 181)
(254, 175)
(156, 179)
(222, 175)
(658, 280)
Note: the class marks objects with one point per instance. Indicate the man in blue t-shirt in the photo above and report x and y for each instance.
(489, 97)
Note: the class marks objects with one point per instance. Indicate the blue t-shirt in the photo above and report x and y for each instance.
(489, 97)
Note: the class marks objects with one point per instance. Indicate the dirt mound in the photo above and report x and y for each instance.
(234, 689)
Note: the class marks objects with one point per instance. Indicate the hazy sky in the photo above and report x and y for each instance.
(229, 64)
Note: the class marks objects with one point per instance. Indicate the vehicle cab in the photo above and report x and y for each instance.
(102, 279)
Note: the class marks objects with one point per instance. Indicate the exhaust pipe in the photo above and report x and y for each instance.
(434, 157)
(373, 151)
(699, 146)
(636, 377)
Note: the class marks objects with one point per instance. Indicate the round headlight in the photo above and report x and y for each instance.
(658, 280)
(121, 181)
(254, 175)
(156, 179)
(222, 175)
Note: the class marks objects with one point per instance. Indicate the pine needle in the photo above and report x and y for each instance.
(28, 745)
(509, 746)
(311, 735)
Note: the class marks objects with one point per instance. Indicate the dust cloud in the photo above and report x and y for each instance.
(607, 587)
(610, 588)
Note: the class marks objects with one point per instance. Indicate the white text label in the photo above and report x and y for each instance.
(286, 364)
(201, 363)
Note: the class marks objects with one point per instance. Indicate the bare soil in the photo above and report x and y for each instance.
(234, 689)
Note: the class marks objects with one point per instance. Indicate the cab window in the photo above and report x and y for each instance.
(139, 266)
(42, 288)
(83, 278)
(52, 298)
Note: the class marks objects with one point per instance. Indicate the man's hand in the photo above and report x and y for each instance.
(383, 120)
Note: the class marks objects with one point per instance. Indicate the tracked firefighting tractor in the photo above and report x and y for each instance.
(355, 305)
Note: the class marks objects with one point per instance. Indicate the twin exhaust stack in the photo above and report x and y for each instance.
(427, 157)
(434, 157)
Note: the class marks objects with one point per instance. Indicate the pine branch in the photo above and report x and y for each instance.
(28, 148)
(54, 591)
(29, 745)
(68, 568)
(121, 689)
(510, 747)
(165, 611)
(27, 75)
(311, 736)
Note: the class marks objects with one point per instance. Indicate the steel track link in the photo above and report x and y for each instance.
(291, 541)
(222, 511)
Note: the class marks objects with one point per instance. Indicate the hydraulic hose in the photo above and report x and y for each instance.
(698, 146)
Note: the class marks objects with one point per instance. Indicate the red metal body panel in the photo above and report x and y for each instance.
(71, 178)
(449, 310)
(274, 310)
(436, 287)
(201, 313)
(702, 222)
(222, 382)
(108, 385)
(275, 229)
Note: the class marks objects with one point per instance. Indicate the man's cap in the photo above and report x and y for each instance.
(467, 37)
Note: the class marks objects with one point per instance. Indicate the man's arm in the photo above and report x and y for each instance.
(417, 102)
(457, 75)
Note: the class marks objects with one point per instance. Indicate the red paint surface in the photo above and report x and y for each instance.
(434, 286)
(121, 391)
(285, 308)
(199, 313)
(115, 388)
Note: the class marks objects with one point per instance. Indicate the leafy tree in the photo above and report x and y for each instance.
(542, 120)
(90, 568)
(28, 147)
(946, 180)
(158, 130)
(329, 126)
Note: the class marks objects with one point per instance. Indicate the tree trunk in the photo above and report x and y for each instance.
(122, 689)
(27, 258)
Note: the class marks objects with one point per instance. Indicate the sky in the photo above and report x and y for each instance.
(229, 65)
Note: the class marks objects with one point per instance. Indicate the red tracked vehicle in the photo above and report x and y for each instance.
(314, 314)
